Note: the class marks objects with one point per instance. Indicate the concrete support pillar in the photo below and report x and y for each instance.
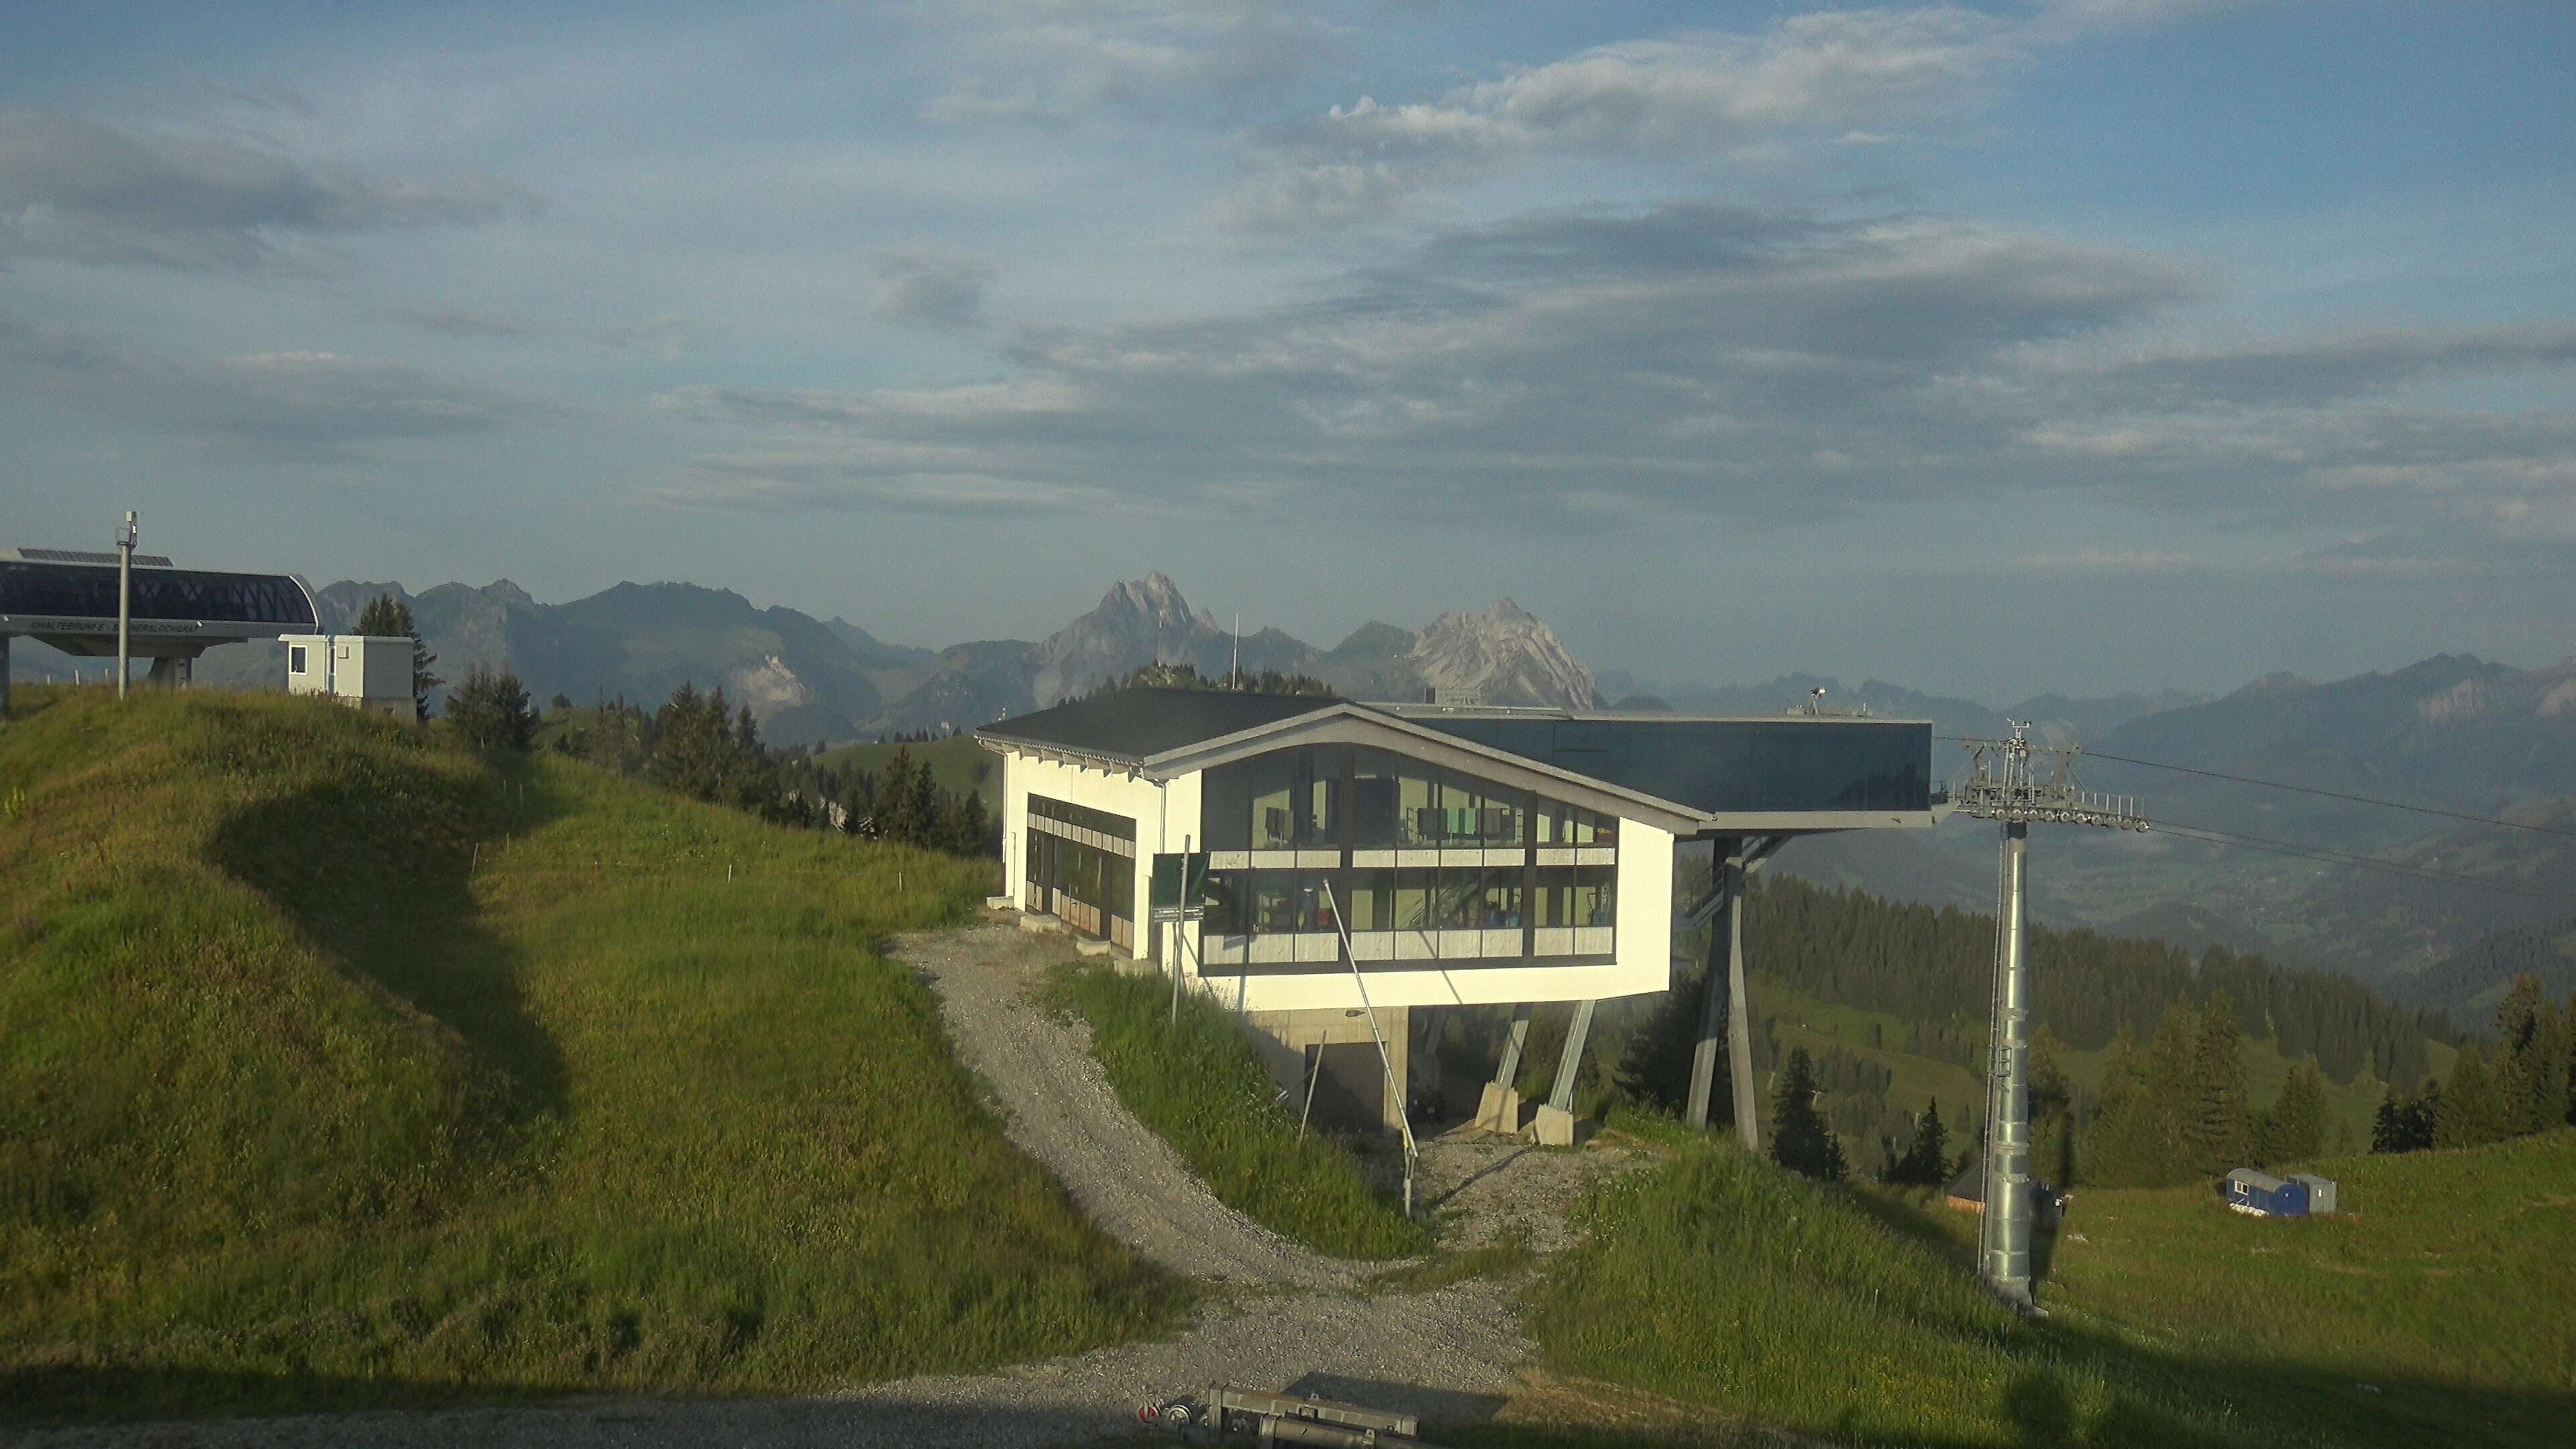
(4, 676)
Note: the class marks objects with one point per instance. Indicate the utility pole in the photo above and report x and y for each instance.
(2003, 785)
(124, 599)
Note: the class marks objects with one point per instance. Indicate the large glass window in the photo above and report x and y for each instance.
(88, 591)
(1474, 905)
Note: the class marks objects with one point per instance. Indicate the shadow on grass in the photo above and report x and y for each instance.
(381, 879)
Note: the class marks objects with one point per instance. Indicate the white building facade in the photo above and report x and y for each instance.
(370, 672)
(1414, 856)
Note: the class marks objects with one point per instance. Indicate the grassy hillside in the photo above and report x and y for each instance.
(2447, 1282)
(957, 764)
(1198, 1084)
(1722, 1283)
(345, 1067)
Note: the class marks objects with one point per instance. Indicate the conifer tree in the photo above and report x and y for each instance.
(898, 814)
(2052, 1111)
(2531, 1058)
(1926, 1162)
(2215, 1132)
(1801, 1140)
(386, 617)
(2294, 1128)
(2471, 1112)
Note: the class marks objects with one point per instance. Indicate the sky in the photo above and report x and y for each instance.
(2075, 345)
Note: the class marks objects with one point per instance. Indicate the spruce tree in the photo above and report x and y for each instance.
(2215, 1134)
(897, 812)
(2295, 1127)
(2471, 1112)
(1926, 1162)
(2531, 1058)
(1801, 1140)
(491, 711)
(386, 617)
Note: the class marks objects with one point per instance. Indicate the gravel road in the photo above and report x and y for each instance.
(1282, 1316)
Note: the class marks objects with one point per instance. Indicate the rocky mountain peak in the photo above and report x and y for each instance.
(1505, 655)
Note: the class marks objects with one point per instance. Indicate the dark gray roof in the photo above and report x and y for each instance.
(1700, 765)
(1135, 724)
(1788, 763)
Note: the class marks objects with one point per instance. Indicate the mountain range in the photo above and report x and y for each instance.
(2486, 752)
(830, 680)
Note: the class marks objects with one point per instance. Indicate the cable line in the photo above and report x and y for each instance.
(2327, 855)
(2336, 795)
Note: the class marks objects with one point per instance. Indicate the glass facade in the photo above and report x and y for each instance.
(1079, 864)
(1726, 765)
(1425, 865)
(88, 591)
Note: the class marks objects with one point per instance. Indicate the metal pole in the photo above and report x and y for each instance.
(2005, 1234)
(124, 598)
(1176, 936)
(1403, 1114)
(1728, 873)
(4, 676)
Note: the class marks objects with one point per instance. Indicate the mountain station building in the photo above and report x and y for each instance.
(68, 598)
(1400, 856)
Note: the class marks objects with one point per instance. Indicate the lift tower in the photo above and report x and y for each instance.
(2003, 784)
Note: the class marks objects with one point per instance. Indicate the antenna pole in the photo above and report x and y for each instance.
(124, 600)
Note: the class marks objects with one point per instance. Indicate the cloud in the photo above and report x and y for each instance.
(1825, 75)
(1592, 368)
(1050, 62)
(666, 335)
(930, 290)
(75, 190)
(1822, 78)
(1570, 363)
(294, 404)
(456, 322)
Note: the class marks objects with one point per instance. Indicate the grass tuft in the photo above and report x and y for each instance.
(1203, 1089)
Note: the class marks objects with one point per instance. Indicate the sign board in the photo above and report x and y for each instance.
(1180, 880)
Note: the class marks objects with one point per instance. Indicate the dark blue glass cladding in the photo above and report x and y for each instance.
(1727, 765)
(88, 591)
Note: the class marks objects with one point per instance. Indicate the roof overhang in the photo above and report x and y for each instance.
(1348, 722)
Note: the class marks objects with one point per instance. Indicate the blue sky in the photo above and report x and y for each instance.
(2067, 344)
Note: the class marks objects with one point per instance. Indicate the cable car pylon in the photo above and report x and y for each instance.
(2002, 784)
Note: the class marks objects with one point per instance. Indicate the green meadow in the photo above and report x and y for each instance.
(344, 1066)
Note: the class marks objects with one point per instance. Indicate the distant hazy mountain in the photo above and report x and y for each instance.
(801, 678)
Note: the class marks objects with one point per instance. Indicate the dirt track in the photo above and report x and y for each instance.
(1284, 1317)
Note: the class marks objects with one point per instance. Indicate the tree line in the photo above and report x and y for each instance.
(1936, 968)
(2522, 1083)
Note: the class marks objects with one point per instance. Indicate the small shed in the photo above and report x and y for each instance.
(371, 672)
(2321, 1193)
(1967, 1190)
(2260, 1194)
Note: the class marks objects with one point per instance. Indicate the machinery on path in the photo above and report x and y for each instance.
(1267, 1418)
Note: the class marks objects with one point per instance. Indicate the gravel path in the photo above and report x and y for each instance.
(1284, 1316)
(1061, 1110)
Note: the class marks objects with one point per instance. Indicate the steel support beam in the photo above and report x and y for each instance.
(1509, 1070)
(2004, 1236)
(1727, 866)
(1568, 1062)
